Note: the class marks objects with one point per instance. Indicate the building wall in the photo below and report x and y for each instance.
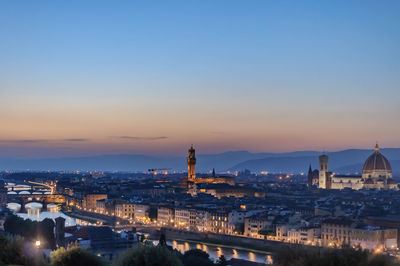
(253, 225)
(165, 216)
(90, 200)
(182, 218)
(141, 213)
(125, 210)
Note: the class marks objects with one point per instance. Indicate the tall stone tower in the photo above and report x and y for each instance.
(60, 231)
(323, 171)
(191, 161)
(310, 177)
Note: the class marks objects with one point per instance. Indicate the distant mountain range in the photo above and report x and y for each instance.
(346, 161)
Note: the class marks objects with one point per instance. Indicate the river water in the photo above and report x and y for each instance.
(215, 251)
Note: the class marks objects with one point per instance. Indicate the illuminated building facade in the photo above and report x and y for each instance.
(191, 179)
(191, 161)
(376, 174)
(90, 200)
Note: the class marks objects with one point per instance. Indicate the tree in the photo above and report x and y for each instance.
(222, 261)
(196, 257)
(75, 256)
(31, 230)
(148, 255)
(15, 250)
(163, 240)
(346, 256)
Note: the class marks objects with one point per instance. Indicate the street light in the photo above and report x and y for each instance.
(37, 243)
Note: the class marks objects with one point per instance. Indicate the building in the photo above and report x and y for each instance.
(192, 179)
(312, 177)
(202, 217)
(125, 210)
(90, 200)
(182, 218)
(165, 216)
(106, 206)
(391, 221)
(373, 238)
(191, 161)
(336, 232)
(141, 213)
(304, 235)
(254, 224)
(323, 172)
(376, 174)
(219, 223)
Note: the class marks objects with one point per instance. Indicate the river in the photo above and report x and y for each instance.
(215, 251)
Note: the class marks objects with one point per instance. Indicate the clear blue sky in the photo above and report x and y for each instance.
(90, 77)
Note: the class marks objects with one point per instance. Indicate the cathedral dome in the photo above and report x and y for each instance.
(376, 162)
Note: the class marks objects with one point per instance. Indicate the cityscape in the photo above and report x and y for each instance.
(183, 133)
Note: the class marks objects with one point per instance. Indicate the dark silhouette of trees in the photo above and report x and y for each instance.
(163, 240)
(75, 256)
(31, 230)
(222, 261)
(196, 257)
(15, 251)
(148, 255)
(346, 256)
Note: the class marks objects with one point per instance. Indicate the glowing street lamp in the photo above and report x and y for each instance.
(37, 243)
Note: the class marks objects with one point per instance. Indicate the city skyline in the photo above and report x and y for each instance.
(100, 78)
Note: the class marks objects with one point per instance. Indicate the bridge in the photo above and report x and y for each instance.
(44, 199)
(52, 185)
(32, 187)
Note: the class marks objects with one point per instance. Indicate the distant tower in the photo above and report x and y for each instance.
(3, 194)
(310, 177)
(60, 231)
(191, 161)
(323, 171)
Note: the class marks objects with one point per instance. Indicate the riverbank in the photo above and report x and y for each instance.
(229, 245)
(251, 244)
(78, 216)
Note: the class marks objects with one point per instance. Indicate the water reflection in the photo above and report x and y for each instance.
(215, 252)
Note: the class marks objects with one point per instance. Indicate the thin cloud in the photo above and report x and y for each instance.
(141, 138)
(33, 141)
(23, 140)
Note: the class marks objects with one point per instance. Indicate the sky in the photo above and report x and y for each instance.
(152, 77)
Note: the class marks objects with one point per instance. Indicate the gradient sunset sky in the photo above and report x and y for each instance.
(152, 77)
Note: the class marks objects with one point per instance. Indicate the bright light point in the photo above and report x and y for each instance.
(37, 243)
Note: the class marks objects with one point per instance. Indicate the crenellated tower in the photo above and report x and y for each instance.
(191, 161)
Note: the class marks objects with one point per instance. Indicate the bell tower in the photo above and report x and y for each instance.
(191, 161)
(323, 172)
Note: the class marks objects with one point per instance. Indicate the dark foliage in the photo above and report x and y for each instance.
(222, 261)
(75, 256)
(305, 256)
(144, 255)
(31, 230)
(196, 257)
(16, 251)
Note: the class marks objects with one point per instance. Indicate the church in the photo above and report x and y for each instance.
(376, 174)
